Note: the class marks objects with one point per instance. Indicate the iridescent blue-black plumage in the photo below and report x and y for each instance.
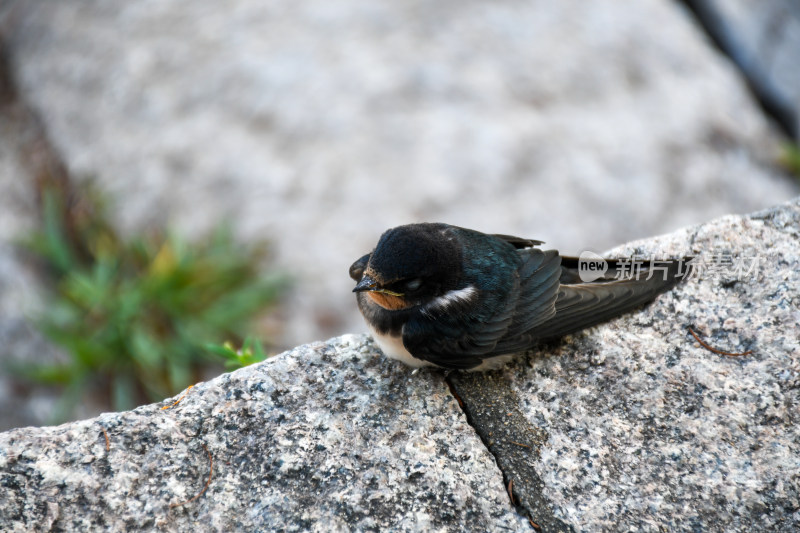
(457, 298)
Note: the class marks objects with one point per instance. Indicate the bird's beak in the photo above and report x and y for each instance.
(369, 284)
(366, 284)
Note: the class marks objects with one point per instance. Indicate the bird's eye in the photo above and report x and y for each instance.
(413, 285)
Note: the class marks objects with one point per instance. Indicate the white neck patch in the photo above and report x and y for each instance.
(457, 296)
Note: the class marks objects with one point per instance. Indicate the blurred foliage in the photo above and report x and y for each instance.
(790, 158)
(251, 352)
(136, 316)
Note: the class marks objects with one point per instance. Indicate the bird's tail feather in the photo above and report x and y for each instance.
(581, 305)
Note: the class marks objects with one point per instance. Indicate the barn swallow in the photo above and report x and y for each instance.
(441, 295)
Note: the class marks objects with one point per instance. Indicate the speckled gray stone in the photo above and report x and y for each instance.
(327, 437)
(637, 427)
(492, 408)
(649, 431)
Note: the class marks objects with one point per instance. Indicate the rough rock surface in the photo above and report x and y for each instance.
(327, 437)
(637, 427)
(648, 430)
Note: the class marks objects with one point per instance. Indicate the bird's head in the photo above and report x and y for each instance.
(411, 265)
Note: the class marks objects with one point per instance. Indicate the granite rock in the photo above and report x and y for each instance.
(630, 426)
(650, 431)
(327, 437)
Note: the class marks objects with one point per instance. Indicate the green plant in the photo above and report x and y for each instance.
(251, 352)
(135, 315)
(790, 158)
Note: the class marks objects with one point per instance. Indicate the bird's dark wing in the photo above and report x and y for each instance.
(582, 305)
(357, 268)
(518, 242)
(463, 335)
(539, 289)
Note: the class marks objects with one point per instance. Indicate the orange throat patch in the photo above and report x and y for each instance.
(387, 301)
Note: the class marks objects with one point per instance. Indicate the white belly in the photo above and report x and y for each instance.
(393, 347)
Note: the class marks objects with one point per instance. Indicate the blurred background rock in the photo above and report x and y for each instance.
(316, 125)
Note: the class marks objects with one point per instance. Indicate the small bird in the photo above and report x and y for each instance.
(440, 295)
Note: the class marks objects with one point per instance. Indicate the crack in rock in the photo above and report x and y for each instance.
(492, 408)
